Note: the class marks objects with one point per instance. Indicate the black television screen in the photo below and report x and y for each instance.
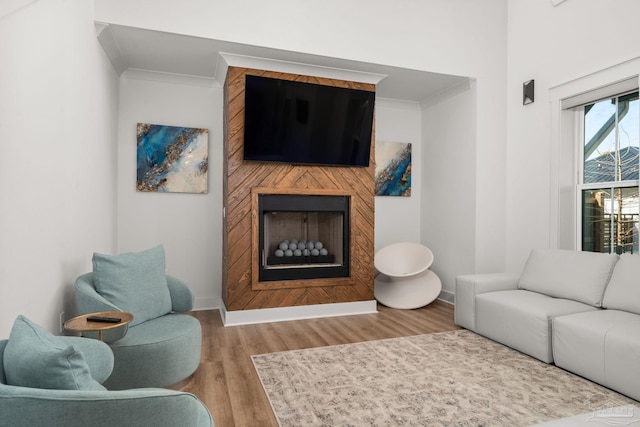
(305, 123)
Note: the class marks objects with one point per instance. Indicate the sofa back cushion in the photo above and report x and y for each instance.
(623, 291)
(574, 275)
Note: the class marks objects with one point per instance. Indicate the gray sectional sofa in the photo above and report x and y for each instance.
(578, 310)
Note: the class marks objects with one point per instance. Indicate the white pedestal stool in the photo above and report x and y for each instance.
(404, 280)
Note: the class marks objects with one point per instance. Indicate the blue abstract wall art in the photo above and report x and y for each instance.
(393, 169)
(172, 159)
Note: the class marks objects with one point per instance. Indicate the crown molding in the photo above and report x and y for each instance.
(227, 60)
(447, 93)
(111, 47)
(158, 76)
(398, 104)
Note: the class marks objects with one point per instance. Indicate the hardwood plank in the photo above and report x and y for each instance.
(226, 380)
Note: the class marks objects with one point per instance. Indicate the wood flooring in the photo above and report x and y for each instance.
(226, 380)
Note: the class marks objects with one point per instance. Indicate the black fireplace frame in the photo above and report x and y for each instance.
(304, 203)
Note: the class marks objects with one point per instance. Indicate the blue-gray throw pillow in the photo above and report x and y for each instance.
(36, 358)
(134, 282)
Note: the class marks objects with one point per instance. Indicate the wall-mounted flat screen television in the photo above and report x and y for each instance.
(304, 123)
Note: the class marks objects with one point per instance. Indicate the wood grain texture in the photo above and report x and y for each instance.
(240, 288)
(226, 380)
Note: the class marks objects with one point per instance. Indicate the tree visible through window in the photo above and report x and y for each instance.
(609, 184)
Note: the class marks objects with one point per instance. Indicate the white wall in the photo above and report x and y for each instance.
(189, 226)
(461, 37)
(397, 219)
(58, 101)
(449, 195)
(59, 96)
(554, 46)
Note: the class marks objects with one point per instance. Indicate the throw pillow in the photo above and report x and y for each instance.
(36, 358)
(134, 282)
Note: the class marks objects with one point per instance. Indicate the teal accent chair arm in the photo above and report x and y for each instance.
(97, 354)
(88, 300)
(31, 407)
(144, 407)
(181, 295)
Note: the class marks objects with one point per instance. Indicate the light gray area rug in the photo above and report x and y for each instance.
(446, 379)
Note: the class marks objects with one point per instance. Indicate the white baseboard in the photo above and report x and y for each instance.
(266, 315)
(447, 296)
(206, 303)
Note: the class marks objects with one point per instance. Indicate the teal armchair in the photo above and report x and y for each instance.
(36, 407)
(159, 352)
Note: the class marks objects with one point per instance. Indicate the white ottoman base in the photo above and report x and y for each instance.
(407, 292)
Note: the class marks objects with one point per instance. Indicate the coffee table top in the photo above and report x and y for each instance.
(81, 324)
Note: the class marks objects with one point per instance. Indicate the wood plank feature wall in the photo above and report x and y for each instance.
(239, 289)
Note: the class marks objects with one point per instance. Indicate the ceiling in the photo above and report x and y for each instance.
(175, 54)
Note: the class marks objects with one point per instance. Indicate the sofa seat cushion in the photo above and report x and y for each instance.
(623, 292)
(574, 275)
(35, 358)
(134, 282)
(157, 353)
(522, 319)
(602, 346)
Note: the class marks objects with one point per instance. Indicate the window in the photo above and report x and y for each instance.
(608, 175)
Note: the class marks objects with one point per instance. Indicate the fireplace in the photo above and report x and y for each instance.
(243, 292)
(302, 237)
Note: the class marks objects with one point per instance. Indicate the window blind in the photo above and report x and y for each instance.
(601, 93)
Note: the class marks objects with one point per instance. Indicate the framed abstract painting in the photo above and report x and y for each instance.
(393, 169)
(172, 159)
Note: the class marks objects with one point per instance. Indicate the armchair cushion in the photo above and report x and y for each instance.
(35, 358)
(134, 282)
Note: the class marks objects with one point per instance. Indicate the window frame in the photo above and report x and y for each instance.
(580, 186)
(563, 161)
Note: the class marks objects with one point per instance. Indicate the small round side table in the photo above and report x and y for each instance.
(81, 324)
